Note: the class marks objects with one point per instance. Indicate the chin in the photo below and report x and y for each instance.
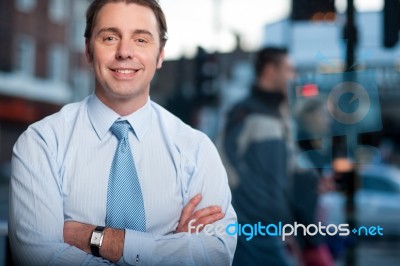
(128, 94)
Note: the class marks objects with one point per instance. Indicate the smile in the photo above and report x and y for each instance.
(124, 71)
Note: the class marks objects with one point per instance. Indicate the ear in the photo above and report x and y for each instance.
(88, 52)
(160, 59)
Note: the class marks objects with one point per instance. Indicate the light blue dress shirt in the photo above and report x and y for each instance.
(60, 171)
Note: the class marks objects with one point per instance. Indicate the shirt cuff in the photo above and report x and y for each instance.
(138, 248)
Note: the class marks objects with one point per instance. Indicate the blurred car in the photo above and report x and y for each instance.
(377, 200)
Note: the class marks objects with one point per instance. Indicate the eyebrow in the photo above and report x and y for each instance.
(146, 32)
(117, 31)
(111, 29)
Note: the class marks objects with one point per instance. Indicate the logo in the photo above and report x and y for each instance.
(345, 112)
(284, 230)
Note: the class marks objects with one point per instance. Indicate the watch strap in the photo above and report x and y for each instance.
(94, 248)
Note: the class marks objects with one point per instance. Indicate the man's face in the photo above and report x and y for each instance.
(125, 52)
(284, 73)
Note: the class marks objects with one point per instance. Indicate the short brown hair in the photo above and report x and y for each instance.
(268, 55)
(96, 5)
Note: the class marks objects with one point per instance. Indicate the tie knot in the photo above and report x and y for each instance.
(120, 129)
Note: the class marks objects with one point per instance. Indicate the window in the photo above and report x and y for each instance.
(25, 55)
(25, 5)
(57, 10)
(57, 63)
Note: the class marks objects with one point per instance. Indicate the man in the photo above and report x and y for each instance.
(256, 144)
(116, 178)
(270, 187)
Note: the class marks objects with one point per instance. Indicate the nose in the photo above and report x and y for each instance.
(124, 50)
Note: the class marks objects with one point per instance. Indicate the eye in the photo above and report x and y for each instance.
(141, 41)
(109, 39)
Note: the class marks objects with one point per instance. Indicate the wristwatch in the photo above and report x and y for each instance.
(96, 240)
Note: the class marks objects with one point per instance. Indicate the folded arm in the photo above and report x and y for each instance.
(37, 218)
(190, 244)
(77, 234)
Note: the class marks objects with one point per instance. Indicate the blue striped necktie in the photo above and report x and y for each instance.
(125, 207)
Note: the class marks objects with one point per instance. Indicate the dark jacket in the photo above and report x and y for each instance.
(258, 147)
(255, 145)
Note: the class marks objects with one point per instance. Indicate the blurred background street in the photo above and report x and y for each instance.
(208, 68)
(376, 253)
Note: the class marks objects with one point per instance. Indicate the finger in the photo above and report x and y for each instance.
(197, 228)
(201, 223)
(205, 212)
(210, 219)
(194, 225)
(193, 222)
(187, 211)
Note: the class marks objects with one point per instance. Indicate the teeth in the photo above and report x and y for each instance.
(124, 71)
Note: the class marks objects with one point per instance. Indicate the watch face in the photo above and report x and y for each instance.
(96, 238)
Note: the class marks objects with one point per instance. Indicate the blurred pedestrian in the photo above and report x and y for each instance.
(260, 152)
(255, 145)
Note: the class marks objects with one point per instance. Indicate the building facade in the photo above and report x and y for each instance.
(42, 65)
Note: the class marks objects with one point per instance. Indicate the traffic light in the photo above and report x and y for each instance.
(206, 72)
(315, 10)
(391, 23)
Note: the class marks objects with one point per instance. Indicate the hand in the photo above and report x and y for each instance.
(201, 217)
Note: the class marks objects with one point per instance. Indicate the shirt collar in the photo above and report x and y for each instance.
(102, 117)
